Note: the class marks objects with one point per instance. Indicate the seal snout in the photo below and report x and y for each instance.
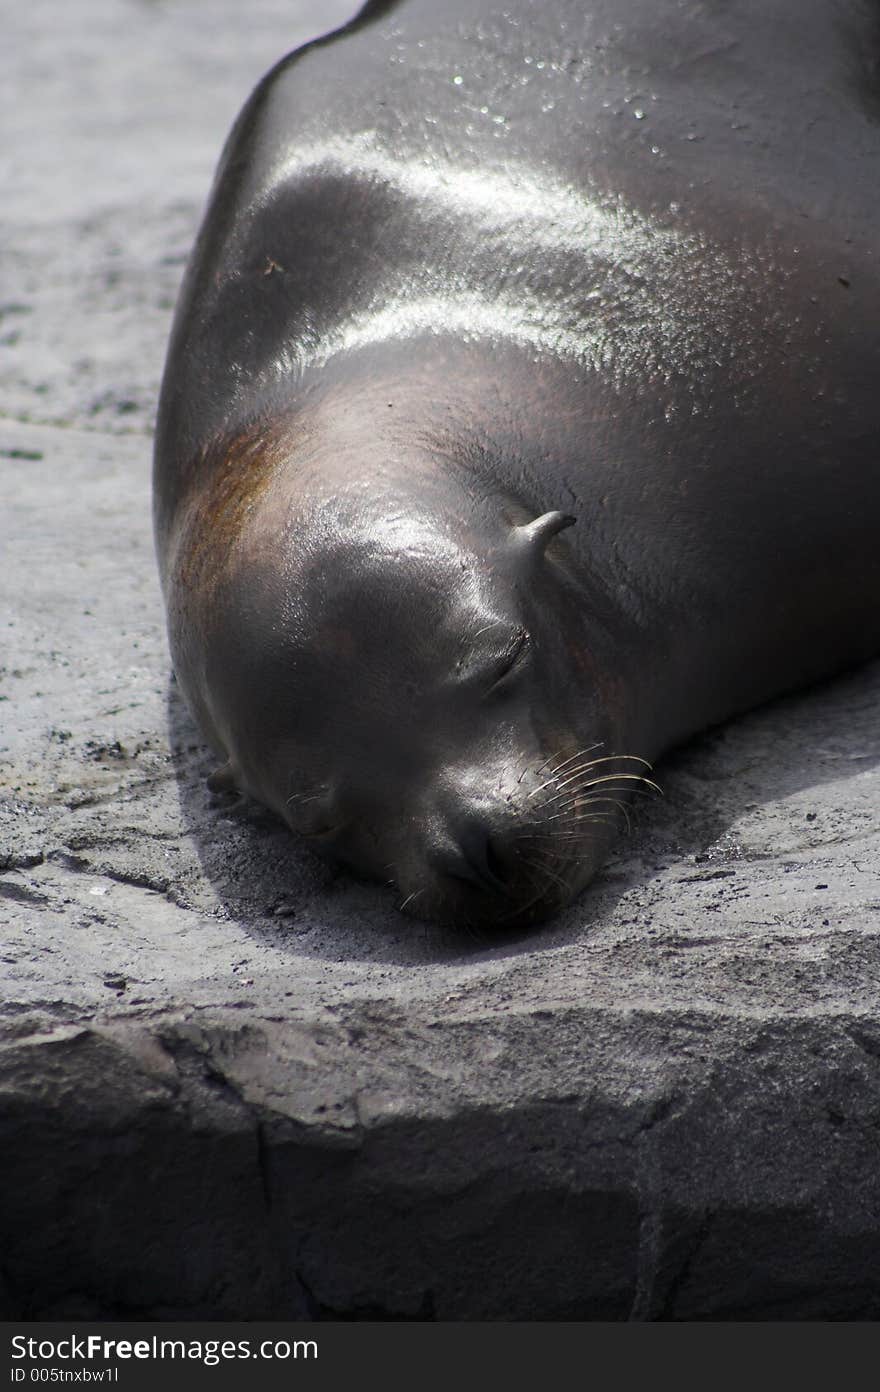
(481, 870)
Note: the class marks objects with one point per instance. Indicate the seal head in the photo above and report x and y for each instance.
(460, 770)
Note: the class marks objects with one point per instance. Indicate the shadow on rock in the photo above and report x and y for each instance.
(282, 893)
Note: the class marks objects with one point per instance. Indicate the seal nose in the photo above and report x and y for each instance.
(476, 855)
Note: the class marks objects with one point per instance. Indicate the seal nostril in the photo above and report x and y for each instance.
(476, 859)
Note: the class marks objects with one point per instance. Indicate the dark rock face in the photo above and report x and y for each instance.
(234, 1086)
(244, 1171)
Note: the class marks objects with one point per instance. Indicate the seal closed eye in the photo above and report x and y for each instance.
(512, 660)
(453, 290)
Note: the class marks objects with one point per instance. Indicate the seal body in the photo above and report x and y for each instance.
(521, 419)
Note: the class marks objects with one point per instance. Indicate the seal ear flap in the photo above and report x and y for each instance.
(535, 535)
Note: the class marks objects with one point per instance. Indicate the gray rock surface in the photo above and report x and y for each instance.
(234, 1085)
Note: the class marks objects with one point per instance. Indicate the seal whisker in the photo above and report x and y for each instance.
(556, 833)
(410, 898)
(522, 909)
(588, 767)
(554, 808)
(545, 870)
(609, 778)
(539, 770)
(589, 799)
(572, 818)
(552, 779)
(588, 749)
(615, 759)
(302, 797)
(611, 783)
(568, 814)
(563, 838)
(574, 814)
(633, 784)
(581, 796)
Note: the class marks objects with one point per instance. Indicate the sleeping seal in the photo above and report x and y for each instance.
(521, 418)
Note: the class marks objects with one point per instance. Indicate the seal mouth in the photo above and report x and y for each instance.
(540, 889)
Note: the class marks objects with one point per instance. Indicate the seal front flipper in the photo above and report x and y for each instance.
(223, 785)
